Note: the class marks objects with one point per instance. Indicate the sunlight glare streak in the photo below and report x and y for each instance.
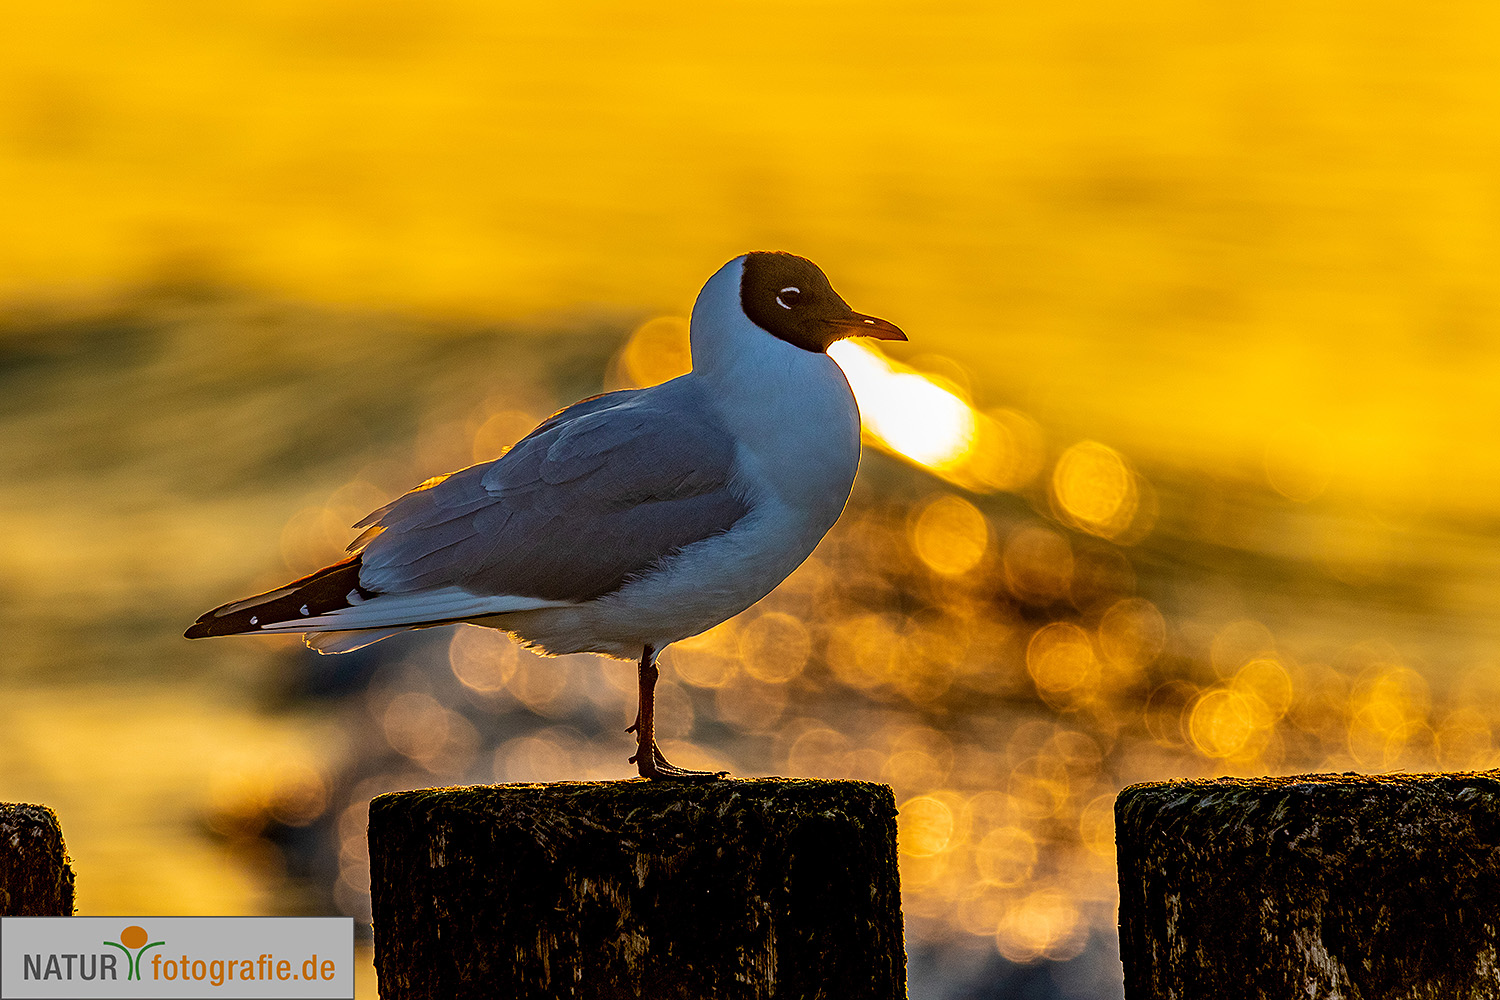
(909, 413)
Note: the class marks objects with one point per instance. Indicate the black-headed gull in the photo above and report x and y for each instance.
(629, 520)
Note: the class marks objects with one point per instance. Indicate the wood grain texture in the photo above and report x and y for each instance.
(1323, 885)
(36, 877)
(728, 889)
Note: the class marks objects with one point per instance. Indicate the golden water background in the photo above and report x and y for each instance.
(1197, 413)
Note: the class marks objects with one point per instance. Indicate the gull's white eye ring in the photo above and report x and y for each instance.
(793, 289)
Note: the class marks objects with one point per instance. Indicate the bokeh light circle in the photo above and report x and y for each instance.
(1095, 489)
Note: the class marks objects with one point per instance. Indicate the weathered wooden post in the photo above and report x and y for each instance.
(725, 889)
(1323, 885)
(36, 879)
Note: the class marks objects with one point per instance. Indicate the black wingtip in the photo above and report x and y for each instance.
(318, 593)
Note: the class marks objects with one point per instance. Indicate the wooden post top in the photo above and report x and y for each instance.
(636, 791)
(754, 888)
(1332, 885)
(36, 875)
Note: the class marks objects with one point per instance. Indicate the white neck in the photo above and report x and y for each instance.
(790, 408)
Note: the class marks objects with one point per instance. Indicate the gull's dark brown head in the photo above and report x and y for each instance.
(790, 297)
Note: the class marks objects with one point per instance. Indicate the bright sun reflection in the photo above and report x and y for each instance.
(909, 413)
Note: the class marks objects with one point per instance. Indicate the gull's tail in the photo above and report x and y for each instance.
(330, 589)
(338, 614)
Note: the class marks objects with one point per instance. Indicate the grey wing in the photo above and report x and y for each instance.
(595, 495)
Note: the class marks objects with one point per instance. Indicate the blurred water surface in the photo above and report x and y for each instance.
(1188, 467)
(1006, 658)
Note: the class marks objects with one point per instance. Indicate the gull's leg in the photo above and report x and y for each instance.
(648, 759)
(645, 703)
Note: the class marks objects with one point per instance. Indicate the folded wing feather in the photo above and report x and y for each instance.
(597, 494)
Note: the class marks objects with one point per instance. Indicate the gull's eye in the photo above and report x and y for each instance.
(787, 297)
